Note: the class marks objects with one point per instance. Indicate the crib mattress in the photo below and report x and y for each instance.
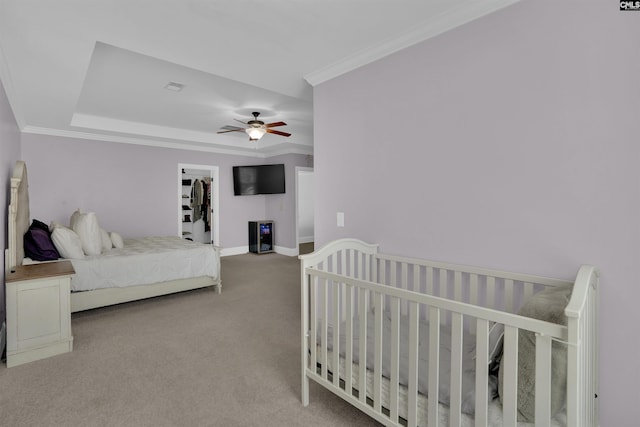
(494, 417)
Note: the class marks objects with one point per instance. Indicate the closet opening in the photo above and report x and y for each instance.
(198, 203)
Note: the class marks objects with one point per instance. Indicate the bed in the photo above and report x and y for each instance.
(421, 343)
(141, 268)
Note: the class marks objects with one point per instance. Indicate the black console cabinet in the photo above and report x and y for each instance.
(261, 237)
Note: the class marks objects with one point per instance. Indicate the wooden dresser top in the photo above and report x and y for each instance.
(39, 271)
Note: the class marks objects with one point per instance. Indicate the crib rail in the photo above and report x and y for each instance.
(347, 279)
(501, 290)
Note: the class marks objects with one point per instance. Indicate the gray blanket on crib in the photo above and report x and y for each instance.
(547, 305)
(444, 393)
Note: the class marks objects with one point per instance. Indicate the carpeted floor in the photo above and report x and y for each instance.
(190, 359)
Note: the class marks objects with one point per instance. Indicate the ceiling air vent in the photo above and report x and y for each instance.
(173, 86)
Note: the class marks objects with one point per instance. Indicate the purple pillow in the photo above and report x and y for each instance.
(37, 243)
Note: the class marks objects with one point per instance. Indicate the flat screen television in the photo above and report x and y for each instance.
(258, 179)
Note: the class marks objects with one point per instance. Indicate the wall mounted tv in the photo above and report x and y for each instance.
(258, 179)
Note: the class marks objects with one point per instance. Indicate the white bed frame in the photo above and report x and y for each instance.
(18, 224)
(347, 277)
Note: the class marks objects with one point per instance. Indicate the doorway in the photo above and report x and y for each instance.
(198, 203)
(305, 194)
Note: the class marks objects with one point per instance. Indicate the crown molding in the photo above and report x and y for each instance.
(465, 12)
(107, 124)
(142, 141)
(200, 140)
(288, 148)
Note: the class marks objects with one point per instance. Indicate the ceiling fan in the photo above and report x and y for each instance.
(256, 128)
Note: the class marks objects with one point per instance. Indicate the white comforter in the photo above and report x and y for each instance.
(143, 261)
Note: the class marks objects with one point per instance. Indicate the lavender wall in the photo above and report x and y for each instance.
(133, 188)
(510, 142)
(281, 208)
(9, 153)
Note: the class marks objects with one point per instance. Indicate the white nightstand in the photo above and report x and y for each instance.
(38, 311)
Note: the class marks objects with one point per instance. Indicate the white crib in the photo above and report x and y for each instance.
(347, 285)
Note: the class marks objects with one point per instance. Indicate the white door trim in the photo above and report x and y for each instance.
(299, 171)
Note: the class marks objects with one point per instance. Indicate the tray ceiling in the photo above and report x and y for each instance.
(98, 70)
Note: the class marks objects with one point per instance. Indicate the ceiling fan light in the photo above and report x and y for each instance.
(255, 133)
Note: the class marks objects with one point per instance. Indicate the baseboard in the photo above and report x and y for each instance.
(308, 239)
(286, 251)
(239, 250)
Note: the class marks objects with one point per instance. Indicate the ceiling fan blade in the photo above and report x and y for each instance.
(277, 132)
(227, 129)
(272, 125)
(244, 123)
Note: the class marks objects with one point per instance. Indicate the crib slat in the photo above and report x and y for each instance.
(348, 361)
(414, 318)
(335, 318)
(473, 299)
(343, 263)
(510, 381)
(443, 292)
(443, 283)
(393, 279)
(405, 285)
(528, 290)
(416, 278)
(362, 350)
(346, 271)
(395, 359)
(508, 295)
(457, 286)
(382, 278)
(491, 289)
(434, 364)
(543, 380)
(482, 372)
(393, 274)
(473, 289)
(417, 283)
(352, 263)
(323, 333)
(455, 408)
(313, 322)
(377, 358)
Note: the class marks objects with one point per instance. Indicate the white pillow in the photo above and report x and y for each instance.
(116, 239)
(53, 225)
(66, 242)
(87, 227)
(106, 240)
(74, 218)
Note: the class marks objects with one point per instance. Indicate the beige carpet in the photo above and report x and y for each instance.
(190, 359)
